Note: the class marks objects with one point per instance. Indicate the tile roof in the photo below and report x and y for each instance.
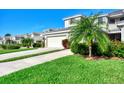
(116, 12)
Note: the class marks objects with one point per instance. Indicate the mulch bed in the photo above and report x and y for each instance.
(103, 57)
(99, 57)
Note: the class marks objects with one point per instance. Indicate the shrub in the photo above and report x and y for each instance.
(116, 48)
(84, 50)
(109, 51)
(65, 43)
(10, 46)
(27, 42)
(36, 45)
(4, 46)
(13, 46)
(79, 48)
(119, 53)
(96, 50)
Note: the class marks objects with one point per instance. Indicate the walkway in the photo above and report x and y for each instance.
(9, 67)
(23, 53)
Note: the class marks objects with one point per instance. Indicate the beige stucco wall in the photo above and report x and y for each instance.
(114, 26)
(64, 34)
(122, 34)
(67, 22)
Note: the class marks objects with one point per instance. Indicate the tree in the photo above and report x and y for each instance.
(88, 30)
(7, 34)
(8, 39)
(27, 42)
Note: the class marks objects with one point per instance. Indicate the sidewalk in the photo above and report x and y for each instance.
(9, 67)
(23, 53)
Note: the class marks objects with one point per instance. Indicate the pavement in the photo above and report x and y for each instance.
(9, 67)
(23, 53)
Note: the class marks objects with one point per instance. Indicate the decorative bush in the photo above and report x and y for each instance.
(119, 53)
(96, 51)
(36, 45)
(27, 42)
(75, 48)
(65, 43)
(4, 46)
(79, 48)
(84, 50)
(116, 48)
(10, 46)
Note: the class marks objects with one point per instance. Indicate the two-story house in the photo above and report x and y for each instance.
(114, 22)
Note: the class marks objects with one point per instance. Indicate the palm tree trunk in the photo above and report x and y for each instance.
(90, 51)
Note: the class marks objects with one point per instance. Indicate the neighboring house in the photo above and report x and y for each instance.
(7, 38)
(18, 38)
(54, 37)
(36, 36)
(1, 40)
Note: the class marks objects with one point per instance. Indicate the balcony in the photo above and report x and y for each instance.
(120, 23)
(117, 30)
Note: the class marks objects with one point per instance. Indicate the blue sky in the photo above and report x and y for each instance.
(21, 21)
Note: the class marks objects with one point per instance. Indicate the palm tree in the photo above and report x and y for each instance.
(88, 30)
(27, 42)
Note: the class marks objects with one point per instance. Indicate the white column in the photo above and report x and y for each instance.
(122, 34)
(45, 41)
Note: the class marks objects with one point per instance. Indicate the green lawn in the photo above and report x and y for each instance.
(71, 69)
(4, 51)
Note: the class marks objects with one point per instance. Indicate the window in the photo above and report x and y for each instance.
(122, 18)
(72, 20)
(100, 20)
(116, 36)
(111, 21)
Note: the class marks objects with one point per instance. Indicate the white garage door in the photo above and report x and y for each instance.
(55, 41)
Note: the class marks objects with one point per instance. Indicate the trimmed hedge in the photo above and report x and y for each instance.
(10, 46)
(36, 45)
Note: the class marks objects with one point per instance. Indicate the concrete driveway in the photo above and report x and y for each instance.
(9, 67)
(23, 53)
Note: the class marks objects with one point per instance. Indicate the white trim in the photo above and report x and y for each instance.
(114, 32)
(56, 32)
(78, 15)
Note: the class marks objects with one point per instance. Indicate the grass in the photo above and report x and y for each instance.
(4, 51)
(27, 56)
(70, 70)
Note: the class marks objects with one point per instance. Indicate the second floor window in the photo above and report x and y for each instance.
(100, 20)
(72, 20)
(122, 19)
(112, 21)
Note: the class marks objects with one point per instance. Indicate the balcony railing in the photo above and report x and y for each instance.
(115, 30)
(120, 22)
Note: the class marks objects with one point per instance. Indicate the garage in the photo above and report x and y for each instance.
(55, 41)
